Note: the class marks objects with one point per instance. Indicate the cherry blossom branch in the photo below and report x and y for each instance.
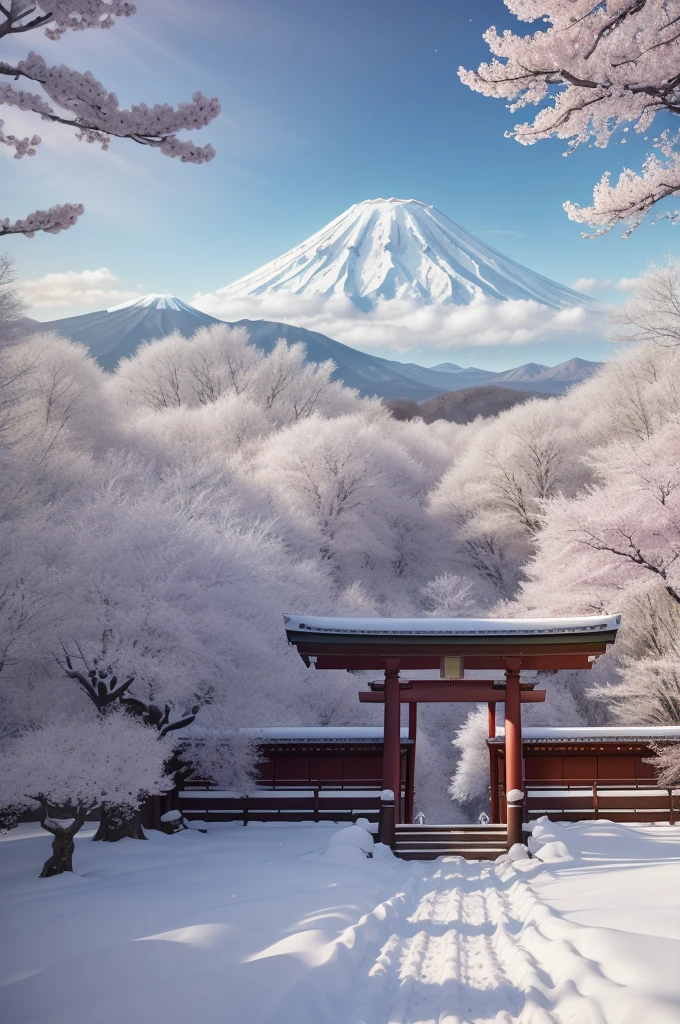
(61, 15)
(98, 115)
(91, 110)
(594, 68)
(52, 221)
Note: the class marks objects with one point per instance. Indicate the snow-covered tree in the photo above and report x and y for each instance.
(219, 363)
(12, 307)
(79, 101)
(493, 494)
(595, 69)
(652, 315)
(357, 497)
(622, 536)
(72, 766)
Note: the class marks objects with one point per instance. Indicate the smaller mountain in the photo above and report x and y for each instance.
(549, 380)
(529, 371)
(462, 406)
(572, 370)
(112, 334)
(447, 367)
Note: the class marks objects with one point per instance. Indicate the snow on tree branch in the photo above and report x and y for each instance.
(80, 101)
(596, 68)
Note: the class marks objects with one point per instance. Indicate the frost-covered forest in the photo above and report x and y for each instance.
(157, 521)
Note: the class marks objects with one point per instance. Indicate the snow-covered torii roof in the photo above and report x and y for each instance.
(366, 643)
(303, 627)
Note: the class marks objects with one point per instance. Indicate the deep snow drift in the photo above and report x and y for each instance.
(270, 924)
(400, 249)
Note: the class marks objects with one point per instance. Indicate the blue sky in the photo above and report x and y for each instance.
(323, 105)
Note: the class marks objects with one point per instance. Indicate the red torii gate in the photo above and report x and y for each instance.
(452, 646)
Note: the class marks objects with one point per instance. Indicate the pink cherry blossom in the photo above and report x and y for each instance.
(594, 69)
(78, 100)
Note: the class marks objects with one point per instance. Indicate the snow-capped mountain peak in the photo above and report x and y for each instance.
(154, 301)
(400, 249)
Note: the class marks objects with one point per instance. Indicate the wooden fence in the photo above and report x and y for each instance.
(619, 800)
(279, 805)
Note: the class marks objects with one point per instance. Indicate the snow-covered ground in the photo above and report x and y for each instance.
(272, 924)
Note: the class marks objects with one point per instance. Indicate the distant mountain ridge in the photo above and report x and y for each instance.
(113, 334)
(462, 406)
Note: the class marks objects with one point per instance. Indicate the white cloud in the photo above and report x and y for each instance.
(594, 284)
(403, 325)
(86, 289)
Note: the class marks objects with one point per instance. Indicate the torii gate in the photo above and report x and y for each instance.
(452, 646)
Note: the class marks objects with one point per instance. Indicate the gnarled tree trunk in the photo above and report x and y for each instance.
(63, 843)
(119, 822)
(62, 855)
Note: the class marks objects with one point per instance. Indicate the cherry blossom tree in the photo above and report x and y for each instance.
(79, 101)
(73, 765)
(595, 69)
(621, 536)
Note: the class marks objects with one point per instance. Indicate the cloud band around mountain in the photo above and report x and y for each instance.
(403, 325)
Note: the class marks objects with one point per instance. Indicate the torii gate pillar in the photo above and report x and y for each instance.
(392, 736)
(513, 750)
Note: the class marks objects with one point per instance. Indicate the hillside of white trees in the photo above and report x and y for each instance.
(156, 522)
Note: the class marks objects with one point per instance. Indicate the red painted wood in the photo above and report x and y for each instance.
(479, 662)
(493, 785)
(391, 739)
(543, 769)
(491, 718)
(464, 694)
(411, 761)
(513, 751)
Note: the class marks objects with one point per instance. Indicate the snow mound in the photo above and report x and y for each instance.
(553, 853)
(351, 845)
(400, 249)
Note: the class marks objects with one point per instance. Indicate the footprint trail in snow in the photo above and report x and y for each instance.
(446, 963)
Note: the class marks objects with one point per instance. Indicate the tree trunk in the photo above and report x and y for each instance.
(62, 855)
(62, 844)
(119, 822)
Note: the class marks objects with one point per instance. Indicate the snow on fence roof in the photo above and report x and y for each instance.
(609, 732)
(308, 734)
(325, 734)
(314, 624)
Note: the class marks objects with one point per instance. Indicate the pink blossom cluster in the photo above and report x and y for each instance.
(97, 113)
(56, 219)
(23, 100)
(62, 15)
(596, 68)
(22, 147)
(92, 110)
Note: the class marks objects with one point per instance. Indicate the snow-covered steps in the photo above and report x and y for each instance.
(474, 842)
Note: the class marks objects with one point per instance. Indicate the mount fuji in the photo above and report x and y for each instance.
(399, 249)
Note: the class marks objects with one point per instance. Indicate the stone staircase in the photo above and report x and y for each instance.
(474, 842)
